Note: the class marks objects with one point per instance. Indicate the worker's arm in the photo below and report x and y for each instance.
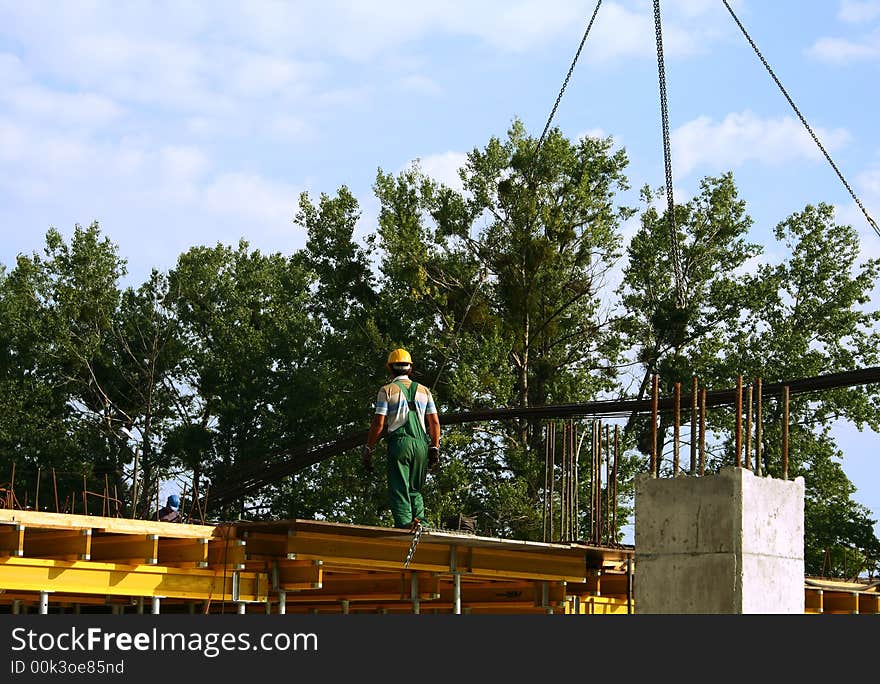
(376, 428)
(433, 423)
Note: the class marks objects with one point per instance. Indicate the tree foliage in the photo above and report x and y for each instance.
(499, 286)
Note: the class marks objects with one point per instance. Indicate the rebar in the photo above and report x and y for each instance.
(748, 458)
(759, 431)
(694, 386)
(739, 418)
(676, 421)
(785, 432)
(655, 461)
(703, 432)
(607, 516)
(614, 483)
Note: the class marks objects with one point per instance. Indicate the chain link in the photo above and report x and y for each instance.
(417, 535)
(567, 77)
(801, 117)
(667, 160)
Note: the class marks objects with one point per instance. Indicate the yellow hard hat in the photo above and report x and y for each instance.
(398, 356)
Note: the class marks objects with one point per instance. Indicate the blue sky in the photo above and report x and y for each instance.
(183, 123)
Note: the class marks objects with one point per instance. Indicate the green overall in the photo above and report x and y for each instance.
(407, 464)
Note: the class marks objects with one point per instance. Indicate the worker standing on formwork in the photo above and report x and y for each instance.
(413, 439)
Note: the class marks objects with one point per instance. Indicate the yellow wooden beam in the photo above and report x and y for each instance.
(111, 579)
(99, 523)
(74, 544)
(226, 554)
(375, 587)
(268, 545)
(191, 551)
(131, 549)
(294, 575)
(12, 540)
(840, 602)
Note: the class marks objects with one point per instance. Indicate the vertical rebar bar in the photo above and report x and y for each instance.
(607, 516)
(599, 520)
(573, 517)
(11, 496)
(563, 462)
(37, 497)
(85, 497)
(655, 461)
(593, 458)
(694, 387)
(748, 454)
(546, 479)
(785, 432)
(552, 438)
(55, 486)
(676, 427)
(614, 485)
(739, 418)
(703, 432)
(759, 430)
(577, 486)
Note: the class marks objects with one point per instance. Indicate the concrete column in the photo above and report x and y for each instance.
(730, 543)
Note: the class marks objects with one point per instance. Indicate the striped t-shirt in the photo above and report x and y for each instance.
(391, 402)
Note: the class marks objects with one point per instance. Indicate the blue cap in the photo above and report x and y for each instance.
(173, 502)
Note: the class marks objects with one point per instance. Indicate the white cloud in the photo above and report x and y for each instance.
(252, 198)
(840, 51)
(858, 11)
(444, 168)
(744, 137)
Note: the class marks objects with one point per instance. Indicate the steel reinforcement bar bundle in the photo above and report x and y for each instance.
(290, 461)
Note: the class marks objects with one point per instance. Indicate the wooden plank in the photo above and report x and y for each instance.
(60, 544)
(840, 602)
(266, 545)
(12, 540)
(226, 554)
(117, 525)
(185, 550)
(112, 579)
(375, 587)
(813, 600)
(293, 575)
(125, 548)
(869, 604)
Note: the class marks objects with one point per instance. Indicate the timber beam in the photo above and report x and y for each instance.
(110, 579)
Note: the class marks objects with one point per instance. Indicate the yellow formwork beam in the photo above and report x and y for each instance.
(131, 549)
(72, 544)
(111, 579)
(185, 551)
(11, 540)
(98, 523)
(434, 556)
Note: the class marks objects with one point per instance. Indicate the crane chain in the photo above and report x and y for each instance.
(797, 111)
(417, 535)
(667, 161)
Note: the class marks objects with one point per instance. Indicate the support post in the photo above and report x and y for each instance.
(156, 601)
(282, 602)
(44, 603)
